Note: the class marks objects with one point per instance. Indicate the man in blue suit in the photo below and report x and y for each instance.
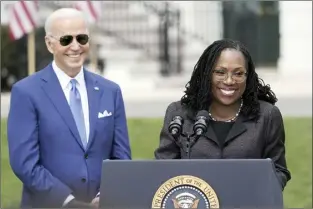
(64, 121)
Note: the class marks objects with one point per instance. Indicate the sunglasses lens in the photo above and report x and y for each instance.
(66, 40)
(82, 39)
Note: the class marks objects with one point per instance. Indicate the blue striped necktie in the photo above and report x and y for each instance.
(77, 111)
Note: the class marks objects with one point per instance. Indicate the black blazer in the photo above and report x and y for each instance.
(247, 139)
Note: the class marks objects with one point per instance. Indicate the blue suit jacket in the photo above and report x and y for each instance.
(45, 149)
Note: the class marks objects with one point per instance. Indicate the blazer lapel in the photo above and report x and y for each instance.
(211, 134)
(237, 129)
(54, 91)
(94, 95)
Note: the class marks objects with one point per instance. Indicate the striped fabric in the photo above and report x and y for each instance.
(92, 9)
(23, 18)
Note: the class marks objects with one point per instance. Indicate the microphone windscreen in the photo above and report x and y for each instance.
(203, 113)
(177, 115)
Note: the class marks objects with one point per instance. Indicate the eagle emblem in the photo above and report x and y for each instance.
(185, 200)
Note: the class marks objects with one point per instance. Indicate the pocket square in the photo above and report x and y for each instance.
(104, 114)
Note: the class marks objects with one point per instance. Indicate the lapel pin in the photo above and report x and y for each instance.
(97, 88)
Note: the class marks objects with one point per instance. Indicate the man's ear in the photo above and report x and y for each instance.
(49, 44)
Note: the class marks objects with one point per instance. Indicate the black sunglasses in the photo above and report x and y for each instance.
(68, 39)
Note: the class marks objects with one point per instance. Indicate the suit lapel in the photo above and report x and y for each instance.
(94, 93)
(211, 134)
(237, 129)
(53, 89)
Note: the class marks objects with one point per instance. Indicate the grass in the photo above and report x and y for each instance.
(144, 134)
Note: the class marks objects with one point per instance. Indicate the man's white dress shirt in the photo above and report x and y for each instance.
(66, 86)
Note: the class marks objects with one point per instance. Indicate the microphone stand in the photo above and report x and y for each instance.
(190, 142)
(175, 128)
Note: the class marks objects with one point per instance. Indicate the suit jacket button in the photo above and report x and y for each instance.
(86, 156)
(83, 180)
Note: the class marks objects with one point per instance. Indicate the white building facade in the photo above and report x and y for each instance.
(295, 28)
(205, 19)
(296, 38)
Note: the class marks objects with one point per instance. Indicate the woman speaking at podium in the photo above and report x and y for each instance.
(242, 121)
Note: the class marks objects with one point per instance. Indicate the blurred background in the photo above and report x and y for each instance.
(150, 49)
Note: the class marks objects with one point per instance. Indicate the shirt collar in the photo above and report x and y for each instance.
(64, 79)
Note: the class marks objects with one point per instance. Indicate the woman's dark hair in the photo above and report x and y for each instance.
(198, 93)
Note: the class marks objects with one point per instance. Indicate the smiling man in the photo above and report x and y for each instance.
(64, 121)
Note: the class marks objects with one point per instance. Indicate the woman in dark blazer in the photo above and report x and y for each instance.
(243, 119)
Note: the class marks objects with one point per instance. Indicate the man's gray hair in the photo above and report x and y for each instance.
(63, 13)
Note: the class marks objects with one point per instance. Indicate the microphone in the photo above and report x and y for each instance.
(200, 127)
(175, 127)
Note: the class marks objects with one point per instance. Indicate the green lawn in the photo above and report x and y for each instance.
(144, 139)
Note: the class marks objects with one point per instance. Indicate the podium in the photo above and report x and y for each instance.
(219, 183)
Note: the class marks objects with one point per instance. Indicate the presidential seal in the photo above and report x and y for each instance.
(185, 192)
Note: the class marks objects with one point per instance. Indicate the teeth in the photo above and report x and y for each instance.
(74, 55)
(228, 92)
